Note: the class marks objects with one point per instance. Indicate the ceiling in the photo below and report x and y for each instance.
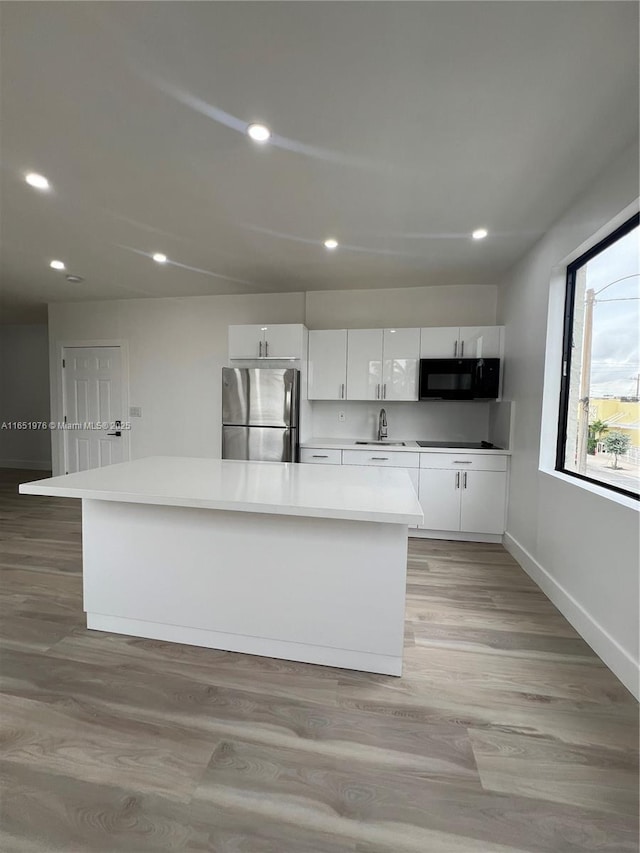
(398, 129)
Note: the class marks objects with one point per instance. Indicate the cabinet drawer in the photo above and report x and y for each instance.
(464, 461)
(319, 456)
(381, 457)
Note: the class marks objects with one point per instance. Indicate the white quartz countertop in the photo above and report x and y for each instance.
(317, 491)
(409, 446)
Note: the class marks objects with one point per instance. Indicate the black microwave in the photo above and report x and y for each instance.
(459, 378)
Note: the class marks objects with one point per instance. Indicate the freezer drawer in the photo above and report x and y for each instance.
(266, 444)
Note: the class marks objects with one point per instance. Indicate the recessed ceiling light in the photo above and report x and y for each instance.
(259, 132)
(479, 233)
(159, 258)
(331, 243)
(74, 279)
(37, 181)
(56, 265)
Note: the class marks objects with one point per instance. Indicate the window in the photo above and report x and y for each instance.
(599, 424)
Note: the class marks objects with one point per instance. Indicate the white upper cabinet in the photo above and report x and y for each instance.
(246, 341)
(480, 342)
(439, 342)
(279, 340)
(382, 364)
(461, 342)
(327, 364)
(401, 352)
(364, 364)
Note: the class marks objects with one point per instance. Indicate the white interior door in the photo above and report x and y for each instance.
(93, 405)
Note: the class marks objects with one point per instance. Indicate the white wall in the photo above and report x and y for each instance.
(177, 348)
(24, 395)
(580, 546)
(455, 305)
(435, 421)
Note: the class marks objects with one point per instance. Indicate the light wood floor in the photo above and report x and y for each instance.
(505, 733)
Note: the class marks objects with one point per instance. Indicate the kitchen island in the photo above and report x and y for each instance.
(292, 561)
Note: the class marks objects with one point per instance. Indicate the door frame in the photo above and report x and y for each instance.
(58, 443)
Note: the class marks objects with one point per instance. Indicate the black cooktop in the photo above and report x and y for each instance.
(460, 445)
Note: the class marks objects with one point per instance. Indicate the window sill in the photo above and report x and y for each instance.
(600, 491)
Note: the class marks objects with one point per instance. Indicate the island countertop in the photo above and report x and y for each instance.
(316, 491)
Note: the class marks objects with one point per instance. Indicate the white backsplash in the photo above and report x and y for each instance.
(428, 421)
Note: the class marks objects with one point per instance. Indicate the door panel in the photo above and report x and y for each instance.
(439, 342)
(266, 444)
(283, 341)
(400, 369)
(480, 341)
(483, 501)
(92, 382)
(327, 364)
(440, 499)
(364, 364)
(245, 341)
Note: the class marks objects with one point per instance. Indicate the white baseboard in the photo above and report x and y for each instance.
(603, 644)
(27, 464)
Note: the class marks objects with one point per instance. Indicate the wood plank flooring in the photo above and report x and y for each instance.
(505, 734)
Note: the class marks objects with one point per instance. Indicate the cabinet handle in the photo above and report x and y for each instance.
(384, 391)
(461, 349)
(378, 391)
(455, 348)
(318, 456)
(464, 479)
(342, 391)
(457, 479)
(379, 458)
(462, 462)
(266, 349)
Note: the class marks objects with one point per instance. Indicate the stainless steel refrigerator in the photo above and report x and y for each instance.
(260, 412)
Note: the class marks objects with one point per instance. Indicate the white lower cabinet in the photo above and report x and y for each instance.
(482, 504)
(465, 501)
(461, 493)
(440, 499)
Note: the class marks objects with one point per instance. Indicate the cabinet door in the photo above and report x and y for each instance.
(401, 352)
(483, 501)
(439, 496)
(480, 342)
(327, 364)
(439, 342)
(364, 364)
(283, 341)
(246, 341)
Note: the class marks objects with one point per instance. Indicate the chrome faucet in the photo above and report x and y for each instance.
(382, 425)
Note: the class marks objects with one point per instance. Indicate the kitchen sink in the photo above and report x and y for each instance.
(384, 443)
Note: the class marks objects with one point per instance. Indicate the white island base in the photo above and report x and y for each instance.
(290, 580)
(307, 589)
